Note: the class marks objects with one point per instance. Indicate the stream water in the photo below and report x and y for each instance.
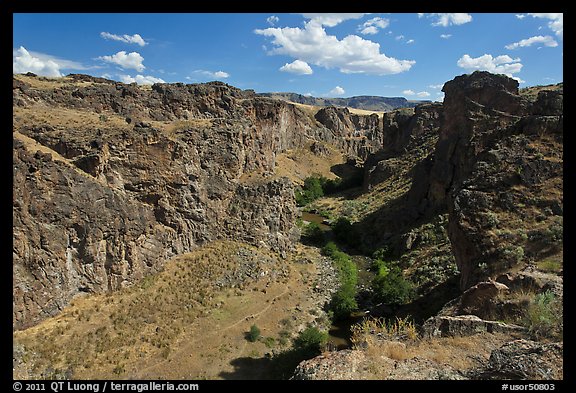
(339, 333)
(317, 218)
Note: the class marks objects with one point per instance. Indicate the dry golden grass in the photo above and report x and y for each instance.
(178, 323)
(47, 83)
(312, 109)
(532, 92)
(66, 118)
(301, 163)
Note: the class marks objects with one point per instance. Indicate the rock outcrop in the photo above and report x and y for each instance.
(354, 365)
(525, 360)
(124, 196)
(497, 150)
(356, 135)
(404, 130)
(465, 325)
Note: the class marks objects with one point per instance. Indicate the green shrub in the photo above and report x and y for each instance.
(329, 249)
(379, 267)
(345, 233)
(390, 286)
(383, 253)
(314, 234)
(344, 300)
(310, 341)
(311, 190)
(253, 334)
(544, 316)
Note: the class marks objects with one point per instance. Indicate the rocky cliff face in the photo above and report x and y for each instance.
(495, 166)
(105, 203)
(356, 135)
(498, 167)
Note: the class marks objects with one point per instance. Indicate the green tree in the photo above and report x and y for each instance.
(310, 342)
(391, 287)
(253, 334)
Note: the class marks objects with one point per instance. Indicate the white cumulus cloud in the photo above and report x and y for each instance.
(445, 36)
(337, 91)
(140, 79)
(129, 39)
(131, 60)
(372, 26)
(272, 20)
(556, 23)
(503, 64)
(221, 74)
(23, 61)
(410, 41)
(331, 20)
(42, 64)
(297, 67)
(352, 54)
(420, 94)
(520, 16)
(446, 20)
(213, 74)
(544, 40)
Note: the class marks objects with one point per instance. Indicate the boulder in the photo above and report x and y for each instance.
(525, 360)
(464, 325)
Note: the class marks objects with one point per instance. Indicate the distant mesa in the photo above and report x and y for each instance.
(369, 103)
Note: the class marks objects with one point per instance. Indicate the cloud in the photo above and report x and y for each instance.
(445, 36)
(272, 20)
(331, 20)
(373, 25)
(213, 74)
(436, 87)
(401, 38)
(352, 54)
(42, 64)
(23, 61)
(545, 40)
(297, 67)
(556, 23)
(520, 16)
(140, 79)
(337, 91)
(503, 64)
(420, 94)
(129, 39)
(131, 60)
(446, 20)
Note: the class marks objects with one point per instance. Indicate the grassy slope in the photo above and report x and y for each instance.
(179, 323)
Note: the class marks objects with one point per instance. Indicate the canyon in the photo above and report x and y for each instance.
(118, 186)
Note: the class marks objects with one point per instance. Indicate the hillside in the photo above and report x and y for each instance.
(369, 103)
(155, 226)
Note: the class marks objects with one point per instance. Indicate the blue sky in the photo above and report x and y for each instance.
(331, 55)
